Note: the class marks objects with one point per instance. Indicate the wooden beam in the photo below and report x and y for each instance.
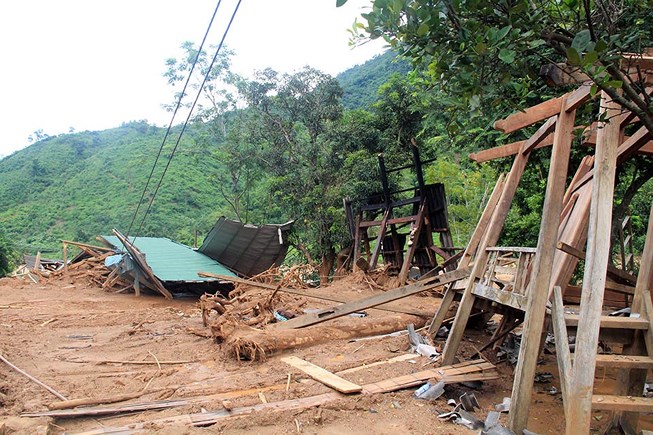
(379, 239)
(617, 273)
(577, 98)
(533, 114)
(372, 301)
(540, 135)
(598, 252)
(461, 372)
(632, 144)
(538, 292)
(563, 354)
(410, 252)
(322, 375)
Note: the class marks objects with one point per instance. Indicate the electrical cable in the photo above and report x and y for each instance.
(174, 114)
(190, 112)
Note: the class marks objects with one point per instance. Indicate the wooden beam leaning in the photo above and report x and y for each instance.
(538, 292)
(598, 251)
(470, 251)
(563, 354)
(373, 301)
(541, 134)
(490, 238)
(529, 116)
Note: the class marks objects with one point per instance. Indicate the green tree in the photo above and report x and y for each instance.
(7, 255)
(291, 116)
(481, 54)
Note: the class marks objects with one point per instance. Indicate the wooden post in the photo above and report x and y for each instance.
(408, 258)
(538, 293)
(598, 252)
(65, 257)
(489, 238)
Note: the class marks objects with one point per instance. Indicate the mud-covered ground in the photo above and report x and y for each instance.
(87, 343)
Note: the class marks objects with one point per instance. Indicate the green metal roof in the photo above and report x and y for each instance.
(172, 261)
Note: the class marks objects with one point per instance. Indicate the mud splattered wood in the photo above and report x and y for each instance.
(322, 375)
(463, 372)
(392, 295)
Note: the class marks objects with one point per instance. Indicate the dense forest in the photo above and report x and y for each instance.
(277, 146)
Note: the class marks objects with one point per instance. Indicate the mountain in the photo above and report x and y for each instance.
(77, 186)
(361, 82)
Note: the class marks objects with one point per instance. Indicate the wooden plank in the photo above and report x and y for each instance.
(624, 361)
(462, 372)
(597, 259)
(201, 419)
(611, 322)
(539, 287)
(372, 301)
(521, 249)
(622, 403)
(322, 375)
(529, 116)
(540, 135)
(563, 354)
(510, 299)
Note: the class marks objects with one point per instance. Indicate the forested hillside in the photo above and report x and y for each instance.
(361, 83)
(80, 185)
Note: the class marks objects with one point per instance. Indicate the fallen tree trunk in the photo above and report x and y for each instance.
(258, 344)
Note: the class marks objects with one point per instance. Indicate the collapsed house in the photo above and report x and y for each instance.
(166, 267)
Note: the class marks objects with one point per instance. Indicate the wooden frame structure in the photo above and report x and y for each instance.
(573, 216)
(426, 215)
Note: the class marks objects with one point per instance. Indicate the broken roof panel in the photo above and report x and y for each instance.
(173, 262)
(247, 249)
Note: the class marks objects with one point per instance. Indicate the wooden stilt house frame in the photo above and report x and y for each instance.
(402, 250)
(522, 282)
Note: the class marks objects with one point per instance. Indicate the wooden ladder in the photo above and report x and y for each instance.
(633, 364)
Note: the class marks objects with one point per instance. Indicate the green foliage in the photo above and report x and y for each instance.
(7, 255)
(467, 189)
(77, 186)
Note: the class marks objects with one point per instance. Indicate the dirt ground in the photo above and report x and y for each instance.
(87, 343)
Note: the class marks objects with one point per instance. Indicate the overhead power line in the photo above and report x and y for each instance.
(190, 112)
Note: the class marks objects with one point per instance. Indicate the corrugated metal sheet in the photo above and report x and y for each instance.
(247, 249)
(171, 261)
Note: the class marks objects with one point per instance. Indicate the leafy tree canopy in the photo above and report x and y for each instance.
(481, 55)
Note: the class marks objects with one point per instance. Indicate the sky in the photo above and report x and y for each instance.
(92, 64)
